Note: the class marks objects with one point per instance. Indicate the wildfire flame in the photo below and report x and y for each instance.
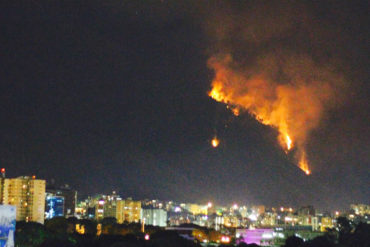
(215, 142)
(303, 164)
(294, 108)
(288, 142)
(217, 94)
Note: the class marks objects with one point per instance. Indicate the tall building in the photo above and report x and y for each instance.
(99, 209)
(154, 217)
(27, 194)
(128, 211)
(110, 205)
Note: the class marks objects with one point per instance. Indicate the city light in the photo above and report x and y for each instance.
(225, 239)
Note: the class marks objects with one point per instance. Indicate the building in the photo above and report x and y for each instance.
(110, 205)
(326, 223)
(27, 194)
(196, 209)
(268, 219)
(306, 210)
(154, 217)
(258, 209)
(54, 206)
(231, 221)
(128, 211)
(261, 237)
(99, 209)
(360, 209)
(70, 197)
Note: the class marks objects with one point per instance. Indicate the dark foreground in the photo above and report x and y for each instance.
(62, 233)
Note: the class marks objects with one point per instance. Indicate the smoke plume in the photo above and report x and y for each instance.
(276, 62)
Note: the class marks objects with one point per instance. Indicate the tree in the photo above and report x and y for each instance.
(58, 225)
(108, 221)
(344, 229)
(29, 234)
(109, 225)
(321, 241)
(293, 241)
(169, 239)
(89, 225)
(55, 242)
(361, 236)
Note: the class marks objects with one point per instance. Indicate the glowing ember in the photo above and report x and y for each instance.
(303, 164)
(236, 111)
(215, 142)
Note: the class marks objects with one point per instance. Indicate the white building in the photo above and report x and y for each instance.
(154, 217)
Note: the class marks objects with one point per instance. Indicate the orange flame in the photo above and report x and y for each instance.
(215, 142)
(294, 107)
(303, 164)
(288, 142)
(217, 93)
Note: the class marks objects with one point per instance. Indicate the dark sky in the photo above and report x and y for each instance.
(107, 95)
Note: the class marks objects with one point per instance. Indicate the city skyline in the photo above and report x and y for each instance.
(55, 191)
(114, 96)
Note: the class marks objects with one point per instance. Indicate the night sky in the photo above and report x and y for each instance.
(112, 95)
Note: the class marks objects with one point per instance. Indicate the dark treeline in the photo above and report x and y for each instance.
(62, 232)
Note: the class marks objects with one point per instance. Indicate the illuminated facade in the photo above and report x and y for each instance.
(110, 205)
(99, 209)
(27, 195)
(268, 219)
(231, 221)
(196, 209)
(360, 209)
(128, 211)
(261, 237)
(54, 206)
(69, 195)
(258, 210)
(154, 217)
(326, 222)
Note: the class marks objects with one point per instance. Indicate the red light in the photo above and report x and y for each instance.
(2, 170)
(147, 237)
(33, 177)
